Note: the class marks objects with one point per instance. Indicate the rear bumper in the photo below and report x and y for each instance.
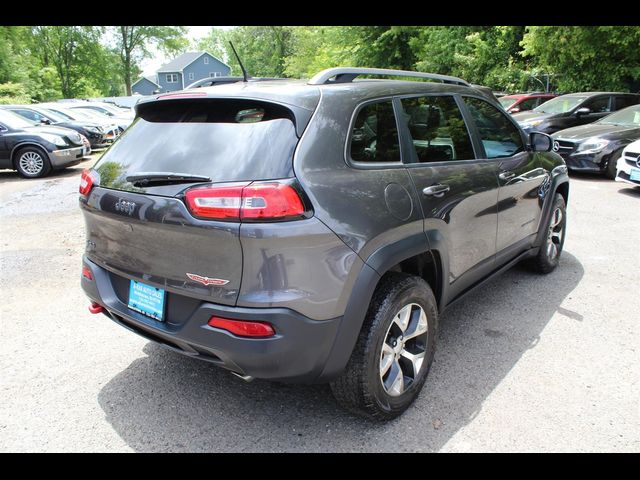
(297, 353)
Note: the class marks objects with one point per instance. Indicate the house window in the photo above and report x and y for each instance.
(190, 75)
(172, 78)
(214, 74)
(206, 60)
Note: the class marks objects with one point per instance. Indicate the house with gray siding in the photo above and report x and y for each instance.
(189, 67)
(145, 86)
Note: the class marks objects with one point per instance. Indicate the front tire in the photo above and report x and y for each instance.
(549, 255)
(394, 351)
(612, 170)
(32, 162)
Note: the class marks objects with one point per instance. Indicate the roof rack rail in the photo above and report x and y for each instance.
(348, 74)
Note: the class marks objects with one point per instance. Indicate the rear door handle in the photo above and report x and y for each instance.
(436, 190)
(506, 175)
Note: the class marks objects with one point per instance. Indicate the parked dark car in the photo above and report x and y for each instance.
(314, 231)
(523, 102)
(93, 131)
(574, 109)
(596, 147)
(34, 150)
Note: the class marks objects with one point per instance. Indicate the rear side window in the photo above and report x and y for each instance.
(626, 101)
(224, 139)
(499, 136)
(375, 135)
(437, 129)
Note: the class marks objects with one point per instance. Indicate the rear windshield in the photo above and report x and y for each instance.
(225, 140)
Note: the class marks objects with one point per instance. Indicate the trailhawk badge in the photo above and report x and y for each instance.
(206, 280)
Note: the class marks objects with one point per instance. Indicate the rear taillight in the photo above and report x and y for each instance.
(86, 182)
(258, 201)
(243, 328)
(86, 273)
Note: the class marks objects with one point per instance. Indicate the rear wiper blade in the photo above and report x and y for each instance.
(166, 178)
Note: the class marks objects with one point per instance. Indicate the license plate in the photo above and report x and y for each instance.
(146, 299)
(635, 174)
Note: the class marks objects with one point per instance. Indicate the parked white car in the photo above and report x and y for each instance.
(628, 167)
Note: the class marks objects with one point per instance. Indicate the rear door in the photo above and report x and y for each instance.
(144, 230)
(521, 174)
(458, 190)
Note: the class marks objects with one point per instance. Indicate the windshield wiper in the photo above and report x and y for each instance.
(164, 178)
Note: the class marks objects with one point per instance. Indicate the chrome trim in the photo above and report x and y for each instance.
(351, 73)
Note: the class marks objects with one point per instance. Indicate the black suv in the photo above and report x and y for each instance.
(574, 109)
(313, 231)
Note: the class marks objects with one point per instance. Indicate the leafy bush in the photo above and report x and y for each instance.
(11, 93)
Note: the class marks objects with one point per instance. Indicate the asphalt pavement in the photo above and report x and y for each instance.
(525, 363)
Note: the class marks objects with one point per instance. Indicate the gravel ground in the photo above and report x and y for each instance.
(526, 363)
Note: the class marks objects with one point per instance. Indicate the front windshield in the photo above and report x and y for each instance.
(60, 113)
(90, 113)
(56, 117)
(629, 117)
(506, 102)
(560, 104)
(13, 120)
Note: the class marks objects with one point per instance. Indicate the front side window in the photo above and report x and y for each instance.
(598, 105)
(528, 104)
(30, 114)
(375, 134)
(437, 129)
(499, 136)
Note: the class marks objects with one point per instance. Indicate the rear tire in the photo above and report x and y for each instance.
(32, 162)
(555, 231)
(394, 351)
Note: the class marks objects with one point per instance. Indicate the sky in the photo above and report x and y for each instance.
(150, 65)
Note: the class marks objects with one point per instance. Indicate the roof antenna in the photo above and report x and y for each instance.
(244, 72)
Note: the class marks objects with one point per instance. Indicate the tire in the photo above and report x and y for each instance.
(32, 162)
(367, 386)
(611, 170)
(549, 255)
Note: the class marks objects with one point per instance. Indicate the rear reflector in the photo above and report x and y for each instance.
(96, 308)
(243, 328)
(86, 272)
(86, 182)
(256, 201)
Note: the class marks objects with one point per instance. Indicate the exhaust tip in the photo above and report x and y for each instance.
(246, 378)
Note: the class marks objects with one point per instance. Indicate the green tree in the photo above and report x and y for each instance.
(133, 42)
(587, 58)
(71, 51)
(262, 49)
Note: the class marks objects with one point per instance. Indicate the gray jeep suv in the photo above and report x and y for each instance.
(313, 231)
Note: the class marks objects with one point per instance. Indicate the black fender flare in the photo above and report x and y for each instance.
(557, 180)
(378, 263)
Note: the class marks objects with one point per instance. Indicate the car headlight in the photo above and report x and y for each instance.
(55, 139)
(592, 145)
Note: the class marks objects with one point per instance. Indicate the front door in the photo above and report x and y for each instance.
(458, 190)
(521, 175)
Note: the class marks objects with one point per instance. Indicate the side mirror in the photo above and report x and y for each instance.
(583, 111)
(45, 121)
(540, 142)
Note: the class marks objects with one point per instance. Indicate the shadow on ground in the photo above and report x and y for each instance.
(168, 402)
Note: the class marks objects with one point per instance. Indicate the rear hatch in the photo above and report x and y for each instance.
(137, 222)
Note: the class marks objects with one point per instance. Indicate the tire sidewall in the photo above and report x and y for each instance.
(412, 291)
(558, 201)
(46, 165)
